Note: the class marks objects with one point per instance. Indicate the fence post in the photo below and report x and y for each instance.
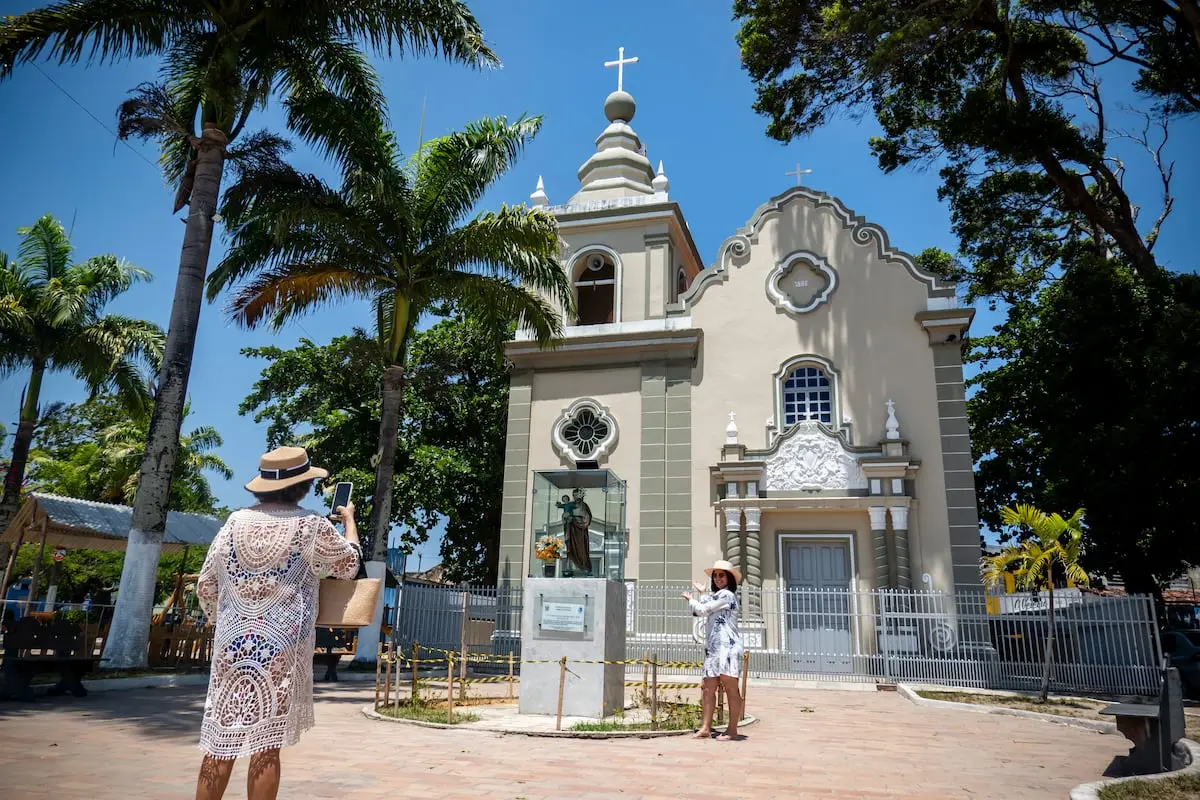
(720, 703)
(646, 673)
(416, 655)
(654, 693)
(562, 679)
(462, 647)
(378, 658)
(745, 680)
(387, 678)
(449, 688)
(510, 676)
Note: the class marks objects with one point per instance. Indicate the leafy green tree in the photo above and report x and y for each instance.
(1084, 399)
(221, 61)
(1006, 96)
(449, 452)
(396, 232)
(52, 319)
(100, 460)
(1053, 546)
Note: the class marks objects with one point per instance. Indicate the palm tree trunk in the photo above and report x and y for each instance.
(10, 501)
(128, 637)
(23, 440)
(1049, 648)
(389, 426)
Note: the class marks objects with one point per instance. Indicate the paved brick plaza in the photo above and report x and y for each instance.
(854, 745)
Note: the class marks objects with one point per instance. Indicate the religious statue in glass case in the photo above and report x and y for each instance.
(576, 519)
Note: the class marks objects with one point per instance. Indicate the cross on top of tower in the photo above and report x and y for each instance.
(799, 173)
(620, 65)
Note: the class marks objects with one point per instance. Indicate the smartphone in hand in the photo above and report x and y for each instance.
(341, 495)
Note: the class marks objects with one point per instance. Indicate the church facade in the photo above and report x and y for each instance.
(796, 406)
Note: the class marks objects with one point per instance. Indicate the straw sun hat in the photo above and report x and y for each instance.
(724, 566)
(283, 467)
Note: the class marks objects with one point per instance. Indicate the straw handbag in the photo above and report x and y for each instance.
(348, 604)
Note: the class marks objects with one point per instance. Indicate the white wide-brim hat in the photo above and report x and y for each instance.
(724, 566)
(283, 467)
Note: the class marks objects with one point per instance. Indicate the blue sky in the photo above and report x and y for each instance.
(694, 113)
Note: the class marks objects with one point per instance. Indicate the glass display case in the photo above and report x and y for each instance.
(578, 525)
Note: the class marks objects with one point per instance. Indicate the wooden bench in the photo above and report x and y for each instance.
(1154, 728)
(332, 644)
(34, 646)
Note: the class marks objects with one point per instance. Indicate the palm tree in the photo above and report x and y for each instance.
(51, 319)
(1053, 548)
(123, 443)
(222, 60)
(396, 232)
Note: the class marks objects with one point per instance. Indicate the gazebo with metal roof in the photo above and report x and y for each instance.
(71, 522)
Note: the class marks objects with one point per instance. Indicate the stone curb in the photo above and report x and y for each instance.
(1091, 791)
(370, 713)
(1057, 719)
(126, 684)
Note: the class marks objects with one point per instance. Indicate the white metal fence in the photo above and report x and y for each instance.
(1103, 645)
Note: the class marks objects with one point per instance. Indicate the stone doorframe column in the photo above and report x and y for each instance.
(879, 539)
(900, 532)
(753, 572)
(733, 537)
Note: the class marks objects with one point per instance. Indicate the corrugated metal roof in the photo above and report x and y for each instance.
(112, 521)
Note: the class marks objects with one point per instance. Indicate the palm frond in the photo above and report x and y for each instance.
(296, 289)
(454, 172)
(95, 30)
(516, 243)
(494, 302)
(444, 27)
(45, 249)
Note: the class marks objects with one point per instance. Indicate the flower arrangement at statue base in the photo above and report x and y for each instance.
(549, 548)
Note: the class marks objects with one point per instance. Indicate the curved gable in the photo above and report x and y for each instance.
(736, 250)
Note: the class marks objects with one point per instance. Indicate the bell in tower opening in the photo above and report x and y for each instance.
(595, 289)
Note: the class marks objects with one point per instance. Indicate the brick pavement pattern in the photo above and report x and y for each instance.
(142, 744)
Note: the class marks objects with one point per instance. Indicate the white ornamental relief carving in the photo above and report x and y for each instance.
(810, 460)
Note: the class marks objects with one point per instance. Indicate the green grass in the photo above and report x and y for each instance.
(613, 725)
(425, 712)
(1064, 706)
(1184, 787)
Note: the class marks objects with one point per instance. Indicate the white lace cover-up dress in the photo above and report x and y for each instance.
(259, 585)
(723, 646)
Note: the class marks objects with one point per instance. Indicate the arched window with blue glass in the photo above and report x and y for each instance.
(807, 395)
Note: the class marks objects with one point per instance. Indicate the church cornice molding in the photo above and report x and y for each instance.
(734, 252)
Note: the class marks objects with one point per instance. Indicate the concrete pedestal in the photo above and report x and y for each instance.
(584, 620)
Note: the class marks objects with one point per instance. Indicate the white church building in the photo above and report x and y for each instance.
(795, 404)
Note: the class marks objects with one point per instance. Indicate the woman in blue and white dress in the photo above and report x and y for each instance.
(723, 648)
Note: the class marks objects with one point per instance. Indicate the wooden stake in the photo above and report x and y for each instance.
(387, 678)
(416, 691)
(646, 673)
(654, 693)
(562, 679)
(37, 570)
(449, 688)
(510, 676)
(745, 677)
(720, 703)
(378, 658)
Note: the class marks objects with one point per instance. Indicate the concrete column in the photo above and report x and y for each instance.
(900, 530)
(753, 572)
(879, 538)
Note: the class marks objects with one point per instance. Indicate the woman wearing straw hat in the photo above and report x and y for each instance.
(723, 648)
(259, 584)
